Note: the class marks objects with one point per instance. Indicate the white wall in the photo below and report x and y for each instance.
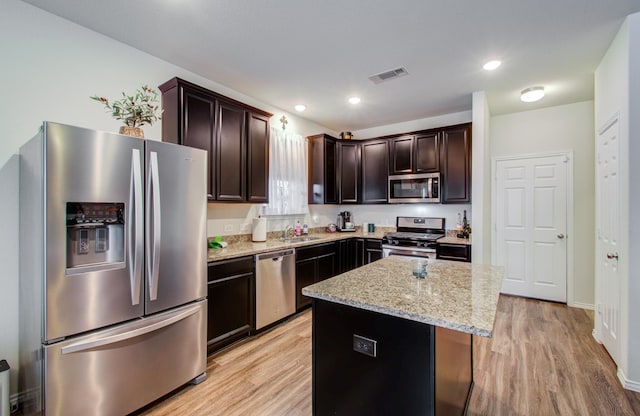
(481, 178)
(617, 90)
(566, 127)
(50, 67)
(414, 125)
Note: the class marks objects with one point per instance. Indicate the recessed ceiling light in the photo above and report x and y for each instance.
(491, 65)
(354, 100)
(300, 107)
(530, 95)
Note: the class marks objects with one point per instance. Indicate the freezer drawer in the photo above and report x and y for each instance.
(116, 371)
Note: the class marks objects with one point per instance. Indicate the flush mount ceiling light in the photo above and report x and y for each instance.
(300, 107)
(354, 100)
(530, 95)
(491, 65)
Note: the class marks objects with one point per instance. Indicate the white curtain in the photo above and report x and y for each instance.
(287, 173)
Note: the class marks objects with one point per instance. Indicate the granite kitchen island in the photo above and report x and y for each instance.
(386, 342)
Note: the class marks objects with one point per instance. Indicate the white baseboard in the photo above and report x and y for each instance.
(594, 334)
(626, 383)
(581, 305)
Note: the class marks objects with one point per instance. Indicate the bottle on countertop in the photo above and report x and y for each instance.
(466, 228)
(298, 228)
(305, 229)
(459, 227)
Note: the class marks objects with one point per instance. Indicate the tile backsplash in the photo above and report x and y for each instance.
(233, 219)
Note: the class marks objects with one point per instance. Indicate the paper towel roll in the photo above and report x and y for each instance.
(259, 229)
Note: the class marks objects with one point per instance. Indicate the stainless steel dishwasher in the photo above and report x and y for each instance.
(275, 286)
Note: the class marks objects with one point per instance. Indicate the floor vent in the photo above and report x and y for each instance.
(388, 75)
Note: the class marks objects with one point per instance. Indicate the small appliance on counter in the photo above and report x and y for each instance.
(345, 222)
(259, 232)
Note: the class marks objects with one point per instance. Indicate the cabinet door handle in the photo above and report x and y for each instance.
(560, 236)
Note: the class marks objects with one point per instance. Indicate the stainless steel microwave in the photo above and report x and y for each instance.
(419, 187)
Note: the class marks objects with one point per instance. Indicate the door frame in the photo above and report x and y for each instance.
(570, 211)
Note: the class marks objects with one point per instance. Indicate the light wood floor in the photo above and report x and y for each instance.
(542, 360)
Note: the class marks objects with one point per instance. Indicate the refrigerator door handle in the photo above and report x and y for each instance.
(112, 339)
(153, 214)
(134, 229)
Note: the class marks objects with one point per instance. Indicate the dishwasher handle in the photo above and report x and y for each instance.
(276, 255)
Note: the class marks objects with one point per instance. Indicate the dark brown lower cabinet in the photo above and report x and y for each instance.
(455, 252)
(346, 255)
(366, 250)
(231, 301)
(313, 264)
(373, 250)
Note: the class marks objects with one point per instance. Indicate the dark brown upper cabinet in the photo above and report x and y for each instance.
(231, 154)
(375, 174)
(323, 178)
(349, 160)
(258, 159)
(401, 158)
(236, 136)
(414, 153)
(427, 154)
(455, 161)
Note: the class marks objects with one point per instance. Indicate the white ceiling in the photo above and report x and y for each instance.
(320, 52)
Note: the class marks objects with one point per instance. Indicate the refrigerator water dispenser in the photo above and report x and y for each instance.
(95, 235)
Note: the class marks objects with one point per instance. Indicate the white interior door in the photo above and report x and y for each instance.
(531, 226)
(607, 225)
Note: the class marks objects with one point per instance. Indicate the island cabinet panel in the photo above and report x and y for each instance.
(366, 362)
(313, 264)
(236, 136)
(375, 171)
(349, 172)
(323, 164)
(455, 161)
(401, 158)
(398, 380)
(230, 306)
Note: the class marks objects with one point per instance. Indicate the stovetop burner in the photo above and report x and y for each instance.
(416, 231)
(412, 236)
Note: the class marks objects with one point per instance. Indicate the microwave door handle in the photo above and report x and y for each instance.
(430, 187)
(134, 229)
(153, 228)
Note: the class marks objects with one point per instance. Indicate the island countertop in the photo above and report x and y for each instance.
(454, 295)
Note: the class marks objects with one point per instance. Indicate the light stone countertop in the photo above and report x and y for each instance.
(248, 248)
(455, 295)
(455, 240)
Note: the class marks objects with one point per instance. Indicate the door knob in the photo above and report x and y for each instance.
(560, 235)
(612, 256)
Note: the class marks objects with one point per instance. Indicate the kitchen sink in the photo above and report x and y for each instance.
(300, 239)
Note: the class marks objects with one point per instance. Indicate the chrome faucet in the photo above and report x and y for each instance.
(285, 233)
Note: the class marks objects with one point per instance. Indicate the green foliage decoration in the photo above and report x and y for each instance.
(134, 110)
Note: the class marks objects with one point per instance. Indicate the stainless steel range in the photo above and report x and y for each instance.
(415, 237)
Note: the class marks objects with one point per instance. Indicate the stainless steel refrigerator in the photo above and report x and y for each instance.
(112, 271)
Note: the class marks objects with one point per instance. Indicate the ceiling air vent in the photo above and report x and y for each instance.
(388, 75)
